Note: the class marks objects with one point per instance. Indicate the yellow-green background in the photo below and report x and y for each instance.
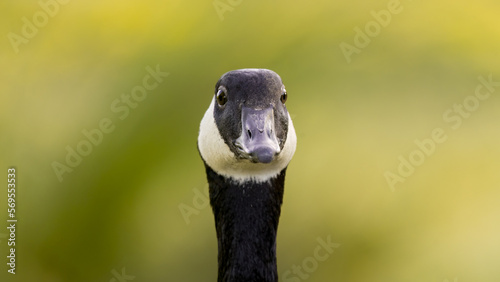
(120, 207)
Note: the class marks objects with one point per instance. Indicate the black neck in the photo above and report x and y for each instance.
(246, 219)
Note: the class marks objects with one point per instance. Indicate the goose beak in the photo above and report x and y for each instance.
(257, 141)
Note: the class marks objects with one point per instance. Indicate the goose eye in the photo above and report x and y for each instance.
(221, 97)
(283, 98)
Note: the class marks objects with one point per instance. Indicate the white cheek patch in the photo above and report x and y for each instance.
(222, 160)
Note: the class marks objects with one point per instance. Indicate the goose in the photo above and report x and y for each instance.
(246, 141)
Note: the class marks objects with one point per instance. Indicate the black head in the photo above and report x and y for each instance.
(250, 116)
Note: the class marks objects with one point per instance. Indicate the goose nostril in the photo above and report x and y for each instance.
(249, 134)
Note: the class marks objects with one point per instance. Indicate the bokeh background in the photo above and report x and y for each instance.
(120, 209)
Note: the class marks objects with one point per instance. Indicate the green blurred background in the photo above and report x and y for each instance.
(120, 209)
